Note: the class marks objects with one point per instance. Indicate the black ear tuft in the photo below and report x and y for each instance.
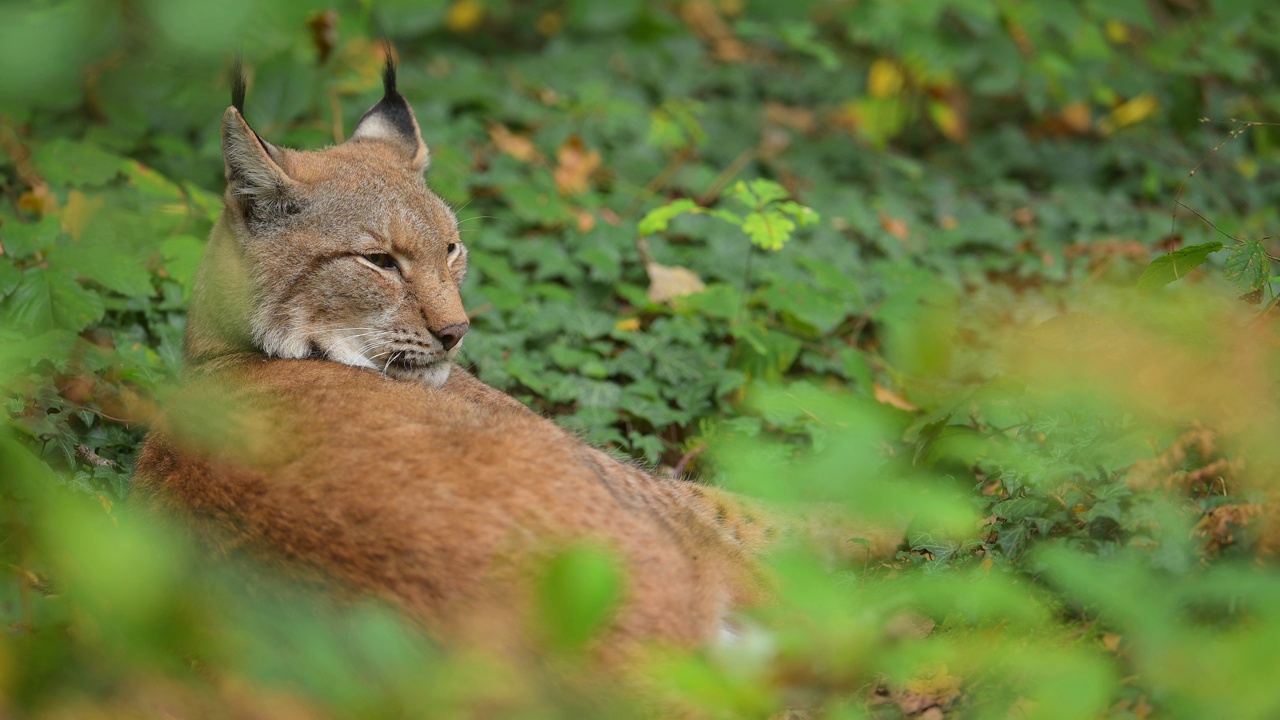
(238, 86)
(389, 74)
(391, 120)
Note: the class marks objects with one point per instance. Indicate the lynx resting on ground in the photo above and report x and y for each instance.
(324, 426)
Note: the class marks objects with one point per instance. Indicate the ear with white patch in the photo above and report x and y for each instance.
(391, 121)
(256, 183)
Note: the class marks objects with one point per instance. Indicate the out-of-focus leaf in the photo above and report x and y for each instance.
(579, 591)
(78, 164)
(657, 220)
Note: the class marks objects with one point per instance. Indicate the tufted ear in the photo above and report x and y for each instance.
(256, 183)
(391, 121)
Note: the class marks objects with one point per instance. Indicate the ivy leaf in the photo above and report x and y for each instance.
(1172, 266)
(657, 220)
(1248, 265)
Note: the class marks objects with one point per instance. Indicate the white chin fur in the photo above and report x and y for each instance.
(433, 375)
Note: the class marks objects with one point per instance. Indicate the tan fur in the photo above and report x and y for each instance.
(324, 425)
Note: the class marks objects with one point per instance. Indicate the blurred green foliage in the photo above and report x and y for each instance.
(949, 339)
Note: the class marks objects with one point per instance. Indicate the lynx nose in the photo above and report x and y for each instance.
(451, 335)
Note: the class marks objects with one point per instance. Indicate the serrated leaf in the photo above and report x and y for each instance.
(103, 265)
(1172, 266)
(22, 240)
(657, 220)
(50, 299)
(769, 230)
(757, 193)
(1248, 264)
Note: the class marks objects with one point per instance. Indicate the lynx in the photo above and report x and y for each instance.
(325, 427)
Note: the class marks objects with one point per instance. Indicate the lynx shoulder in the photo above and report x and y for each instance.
(325, 428)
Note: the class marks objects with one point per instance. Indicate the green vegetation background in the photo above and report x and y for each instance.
(949, 338)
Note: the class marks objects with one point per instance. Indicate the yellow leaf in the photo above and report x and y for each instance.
(628, 325)
(106, 502)
(77, 213)
(884, 79)
(464, 16)
(1117, 32)
(1131, 112)
(1111, 642)
(949, 122)
(549, 23)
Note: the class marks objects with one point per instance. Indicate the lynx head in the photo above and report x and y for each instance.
(340, 254)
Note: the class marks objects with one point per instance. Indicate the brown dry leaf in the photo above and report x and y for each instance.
(585, 220)
(324, 33)
(705, 22)
(79, 210)
(895, 227)
(1111, 642)
(949, 222)
(932, 691)
(1076, 117)
(796, 118)
(886, 396)
(575, 163)
(669, 282)
(519, 147)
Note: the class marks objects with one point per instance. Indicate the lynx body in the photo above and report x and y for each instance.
(325, 428)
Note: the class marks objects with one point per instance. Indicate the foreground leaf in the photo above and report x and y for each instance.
(1172, 266)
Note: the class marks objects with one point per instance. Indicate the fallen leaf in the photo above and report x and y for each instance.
(1111, 642)
(575, 163)
(885, 396)
(585, 220)
(895, 227)
(795, 118)
(628, 325)
(106, 502)
(669, 282)
(517, 146)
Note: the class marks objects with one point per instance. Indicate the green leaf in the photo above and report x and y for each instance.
(769, 230)
(48, 299)
(10, 276)
(757, 193)
(1248, 265)
(579, 589)
(22, 240)
(181, 259)
(657, 220)
(1172, 266)
(66, 162)
(103, 264)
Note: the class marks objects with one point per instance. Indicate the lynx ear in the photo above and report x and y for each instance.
(392, 121)
(257, 184)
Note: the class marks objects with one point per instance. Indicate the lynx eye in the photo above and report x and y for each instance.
(382, 261)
